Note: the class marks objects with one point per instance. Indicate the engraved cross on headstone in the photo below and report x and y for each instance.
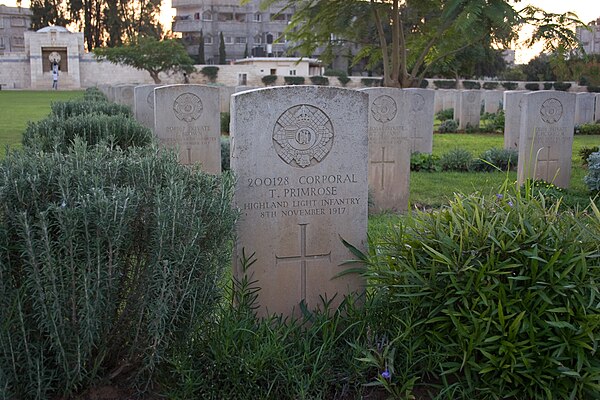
(383, 161)
(304, 257)
(547, 162)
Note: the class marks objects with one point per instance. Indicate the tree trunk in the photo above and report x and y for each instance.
(154, 75)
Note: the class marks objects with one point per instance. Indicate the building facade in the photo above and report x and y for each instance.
(247, 30)
(14, 21)
(590, 39)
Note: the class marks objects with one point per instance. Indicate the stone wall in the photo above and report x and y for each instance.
(15, 71)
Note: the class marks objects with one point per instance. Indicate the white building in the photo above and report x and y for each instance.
(590, 39)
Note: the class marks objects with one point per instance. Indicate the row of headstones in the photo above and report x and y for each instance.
(305, 158)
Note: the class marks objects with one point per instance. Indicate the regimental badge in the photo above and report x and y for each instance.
(303, 136)
(551, 111)
(384, 109)
(417, 102)
(188, 107)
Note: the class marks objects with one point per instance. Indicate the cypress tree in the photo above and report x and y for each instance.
(222, 55)
(201, 58)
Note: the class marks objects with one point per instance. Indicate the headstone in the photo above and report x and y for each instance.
(546, 140)
(300, 157)
(187, 118)
(124, 95)
(144, 105)
(584, 108)
(469, 108)
(420, 119)
(597, 108)
(389, 148)
(512, 102)
(225, 93)
(492, 101)
(438, 104)
(449, 98)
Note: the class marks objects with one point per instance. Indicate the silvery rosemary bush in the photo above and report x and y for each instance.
(88, 105)
(106, 260)
(56, 132)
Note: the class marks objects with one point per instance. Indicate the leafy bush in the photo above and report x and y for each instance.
(225, 150)
(70, 108)
(548, 85)
(448, 126)
(532, 86)
(294, 80)
(94, 94)
(58, 133)
(586, 152)
(445, 114)
(587, 129)
(344, 80)
(471, 85)
(334, 72)
(496, 159)
(562, 86)
(424, 162)
(493, 122)
(490, 85)
(319, 80)
(593, 89)
(210, 72)
(424, 84)
(471, 128)
(446, 84)
(456, 160)
(510, 85)
(497, 296)
(225, 119)
(106, 259)
(592, 179)
(269, 79)
(371, 82)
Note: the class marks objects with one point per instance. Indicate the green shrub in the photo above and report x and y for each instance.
(225, 150)
(106, 258)
(344, 80)
(94, 94)
(225, 119)
(592, 179)
(497, 298)
(269, 79)
(496, 159)
(210, 72)
(445, 114)
(294, 80)
(58, 133)
(335, 72)
(587, 129)
(448, 126)
(424, 84)
(593, 89)
(471, 85)
(493, 122)
(371, 82)
(532, 86)
(548, 85)
(319, 80)
(471, 128)
(70, 108)
(490, 85)
(446, 84)
(586, 152)
(456, 160)
(562, 86)
(424, 162)
(510, 85)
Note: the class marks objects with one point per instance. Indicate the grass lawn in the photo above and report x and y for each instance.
(19, 106)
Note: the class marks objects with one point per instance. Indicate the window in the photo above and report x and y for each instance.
(1, 22)
(1, 42)
(228, 40)
(277, 17)
(18, 41)
(258, 39)
(208, 39)
(15, 21)
(241, 40)
(207, 16)
(242, 79)
(196, 15)
(224, 17)
(292, 72)
(257, 17)
(273, 71)
(241, 17)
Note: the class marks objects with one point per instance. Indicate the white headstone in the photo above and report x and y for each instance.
(187, 118)
(144, 105)
(546, 140)
(492, 100)
(124, 95)
(300, 157)
(513, 102)
(225, 93)
(584, 108)
(468, 111)
(420, 118)
(597, 108)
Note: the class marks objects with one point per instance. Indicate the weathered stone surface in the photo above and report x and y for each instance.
(468, 108)
(187, 118)
(513, 102)
(597, 108)
(144, 105)
(584, 108)
(492, 101)
(546, 140)
(124, 95)
(300, 155)
(420, 118)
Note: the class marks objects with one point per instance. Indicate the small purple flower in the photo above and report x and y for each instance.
(386, 374)
(510, 203)
(499, 196)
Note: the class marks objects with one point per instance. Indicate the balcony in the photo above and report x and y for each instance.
(187, 25)
(184, 3)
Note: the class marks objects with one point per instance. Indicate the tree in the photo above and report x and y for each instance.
(409, 36)
(222, 55)
(150, 55)
(201, 57)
